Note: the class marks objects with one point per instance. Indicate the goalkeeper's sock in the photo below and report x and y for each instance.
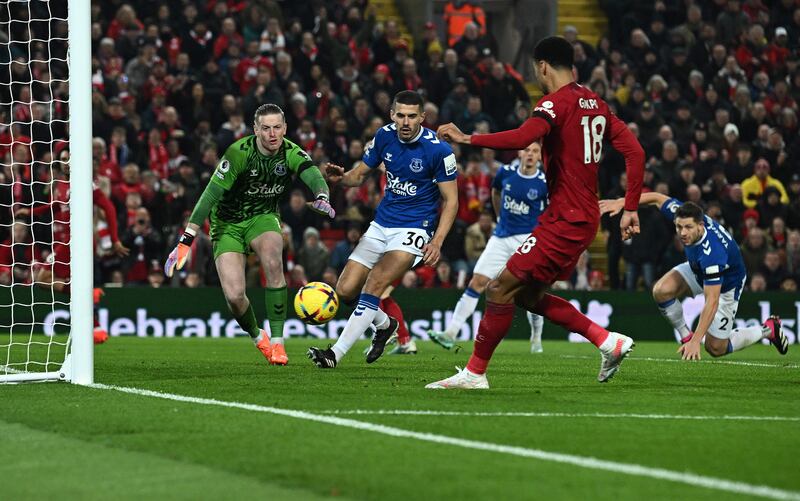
(464, 308)
(275, 298)
(359, 321)
(673, 312)
(248, 323)
(744, 337)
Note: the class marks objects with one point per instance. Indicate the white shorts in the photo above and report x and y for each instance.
(723, 322)
(495, 256)
(379, 240)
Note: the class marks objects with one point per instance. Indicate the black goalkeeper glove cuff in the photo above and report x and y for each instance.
(186, 239)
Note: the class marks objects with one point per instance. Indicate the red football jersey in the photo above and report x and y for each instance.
(573, 122)
(59, 205)
(579, 122)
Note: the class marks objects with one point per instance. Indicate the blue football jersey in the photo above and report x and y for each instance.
(411, 198)
(522, 200)
(715, 258)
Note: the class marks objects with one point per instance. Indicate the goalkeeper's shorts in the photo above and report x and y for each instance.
(236, 237)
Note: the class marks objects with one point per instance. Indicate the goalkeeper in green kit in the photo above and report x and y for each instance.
(242, 199)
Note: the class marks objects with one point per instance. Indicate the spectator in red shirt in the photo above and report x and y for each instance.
(474, 189)
(777, 51)
(124, 20)
(228, 37)
(106, 166)
(779, 98)
(751, 54)
(131, 182)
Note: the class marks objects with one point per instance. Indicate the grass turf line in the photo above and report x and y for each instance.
(341, 462)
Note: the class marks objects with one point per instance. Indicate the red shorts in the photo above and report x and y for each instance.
(552, 251)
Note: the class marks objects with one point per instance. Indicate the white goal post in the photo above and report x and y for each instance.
(26, 352)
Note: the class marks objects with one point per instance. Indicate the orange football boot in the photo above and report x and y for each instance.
(264, 346)
(278, 355)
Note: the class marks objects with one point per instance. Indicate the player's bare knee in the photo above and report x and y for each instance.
(274, 270)
(479, 283)
(345, 293)
(496, 292)
(660, 294)
(236, 298)
(716, 349)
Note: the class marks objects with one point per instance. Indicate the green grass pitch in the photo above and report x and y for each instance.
(61, 441)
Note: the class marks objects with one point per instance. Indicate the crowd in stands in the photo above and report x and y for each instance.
(710, 89)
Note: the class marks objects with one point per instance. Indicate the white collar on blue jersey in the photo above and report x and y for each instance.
(414, 139)
(527, 176)
(705, 234)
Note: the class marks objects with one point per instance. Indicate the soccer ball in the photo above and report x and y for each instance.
(316, 303)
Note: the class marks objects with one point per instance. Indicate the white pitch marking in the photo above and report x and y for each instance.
(725, 362)
(403, 412)
(581, 461)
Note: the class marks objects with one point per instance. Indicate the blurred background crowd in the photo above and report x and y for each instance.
(711, 90)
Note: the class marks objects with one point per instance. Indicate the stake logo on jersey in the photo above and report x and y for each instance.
(522, 200)
(715, 258)
(411, 198)
(254, 183)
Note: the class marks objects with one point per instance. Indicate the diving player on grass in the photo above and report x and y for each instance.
(420, 171)
(243, 199)
(519, 196)
(713, 259)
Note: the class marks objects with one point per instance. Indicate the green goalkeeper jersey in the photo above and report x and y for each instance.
(255, 183)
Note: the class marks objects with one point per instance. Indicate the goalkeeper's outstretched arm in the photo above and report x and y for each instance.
(312, 177)
(208, 200)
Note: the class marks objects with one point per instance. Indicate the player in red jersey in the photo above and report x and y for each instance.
(55, 271)
(572, 123)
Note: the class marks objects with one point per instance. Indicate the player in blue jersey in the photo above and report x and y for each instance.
(519, 196)
(714, 268)
(420, 175)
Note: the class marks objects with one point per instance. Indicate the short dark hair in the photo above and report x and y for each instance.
(555, 51)
(408, 97)
(269, 109)
(690, 209)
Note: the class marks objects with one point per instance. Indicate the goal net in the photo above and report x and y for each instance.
(45, 191)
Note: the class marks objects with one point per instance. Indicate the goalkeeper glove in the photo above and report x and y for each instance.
(177, 258)
(322, 206)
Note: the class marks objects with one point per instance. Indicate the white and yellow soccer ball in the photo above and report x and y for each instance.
(316, 303)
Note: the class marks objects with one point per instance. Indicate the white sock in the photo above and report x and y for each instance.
(277, 340)
(359, 321)
(464, 308)
(673, 312)
(381, 320)
(537, 322)
(744, 337)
